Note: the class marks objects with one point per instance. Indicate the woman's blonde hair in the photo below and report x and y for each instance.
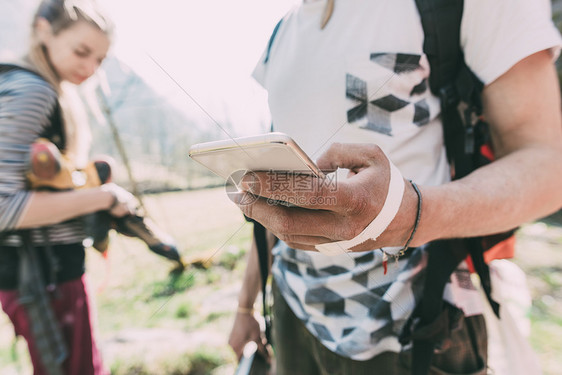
(61, 15)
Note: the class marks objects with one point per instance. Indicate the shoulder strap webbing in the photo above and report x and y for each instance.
(263, 260)
(451, 80)
(441, 24)
(459, 91)
(260, 236)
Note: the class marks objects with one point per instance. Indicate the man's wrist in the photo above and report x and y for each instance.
(403, 224)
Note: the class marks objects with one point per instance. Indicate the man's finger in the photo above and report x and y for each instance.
(302, 190)
(350, 156)
(304, 240)
(285, 221)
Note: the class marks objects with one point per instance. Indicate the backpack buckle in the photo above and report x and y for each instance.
(448, 95)
(469, 118)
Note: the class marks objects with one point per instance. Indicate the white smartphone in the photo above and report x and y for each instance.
(258, 153)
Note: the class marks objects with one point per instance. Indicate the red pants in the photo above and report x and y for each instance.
(73, 313)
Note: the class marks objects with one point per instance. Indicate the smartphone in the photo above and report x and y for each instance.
(258, 153)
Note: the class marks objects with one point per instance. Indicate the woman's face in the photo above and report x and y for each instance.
(76, 52)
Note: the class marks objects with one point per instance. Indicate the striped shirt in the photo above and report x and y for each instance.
(26, 105)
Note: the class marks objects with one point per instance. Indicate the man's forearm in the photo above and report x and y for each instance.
(523, 184)
(518, 188)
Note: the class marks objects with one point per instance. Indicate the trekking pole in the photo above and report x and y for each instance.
(101, 90)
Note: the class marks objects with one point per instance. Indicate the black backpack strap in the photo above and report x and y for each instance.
(429, 326)
(260, 236)
(461, 106)
(263, 258)
(459, 91)
(451, 80)
(441, 25)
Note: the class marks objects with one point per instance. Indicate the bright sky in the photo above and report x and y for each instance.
(209, 47)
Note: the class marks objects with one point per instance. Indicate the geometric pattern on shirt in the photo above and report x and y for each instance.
(397, 62)
(355, 313)
(378, 111)
(421, 113)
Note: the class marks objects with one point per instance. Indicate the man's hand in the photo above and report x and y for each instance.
(245, 329)
(328, 210)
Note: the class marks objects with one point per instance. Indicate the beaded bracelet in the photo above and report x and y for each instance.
(403, 250)
(418, 216)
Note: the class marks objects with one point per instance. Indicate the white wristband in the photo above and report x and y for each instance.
(380, 222)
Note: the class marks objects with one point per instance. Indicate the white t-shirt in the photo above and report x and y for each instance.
(363, 79)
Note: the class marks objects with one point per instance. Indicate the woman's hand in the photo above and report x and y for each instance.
(123, 203)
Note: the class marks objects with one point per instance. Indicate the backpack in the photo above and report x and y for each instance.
(468, 147)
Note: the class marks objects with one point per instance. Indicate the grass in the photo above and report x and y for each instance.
(152, 321)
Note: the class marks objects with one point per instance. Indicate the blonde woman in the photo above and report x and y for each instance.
(69, 41)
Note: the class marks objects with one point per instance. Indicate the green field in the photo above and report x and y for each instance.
(152, 322)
